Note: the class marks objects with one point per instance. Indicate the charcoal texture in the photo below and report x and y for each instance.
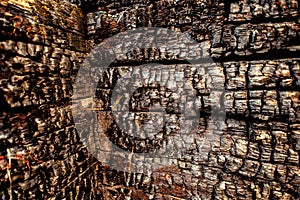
(256, 75)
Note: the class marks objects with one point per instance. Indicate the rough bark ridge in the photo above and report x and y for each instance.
(255, 45)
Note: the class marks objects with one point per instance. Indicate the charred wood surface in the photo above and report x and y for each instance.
(255, 46)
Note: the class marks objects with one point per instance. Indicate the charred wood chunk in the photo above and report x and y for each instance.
(253, 10)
